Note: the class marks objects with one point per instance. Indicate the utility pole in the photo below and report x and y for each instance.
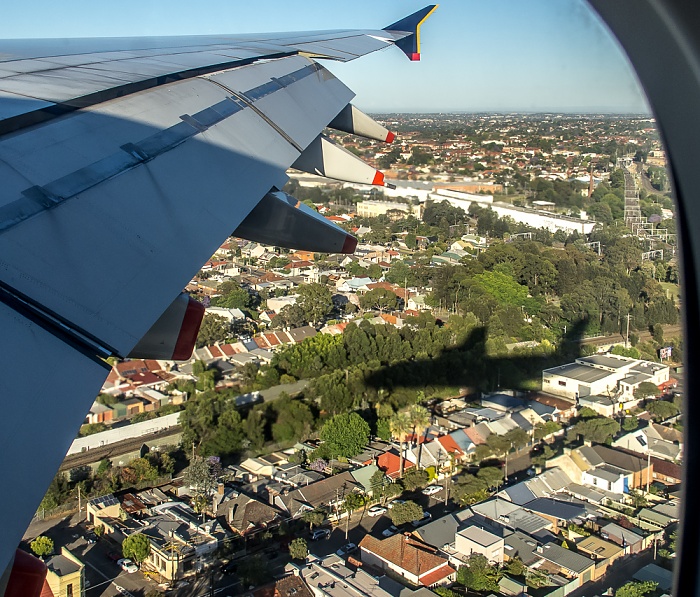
(648, 467)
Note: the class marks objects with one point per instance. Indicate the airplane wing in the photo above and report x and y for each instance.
(125, 164)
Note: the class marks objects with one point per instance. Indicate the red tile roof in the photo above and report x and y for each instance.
(390, 463)
(447, 442)
(410, 555)
(436, 576)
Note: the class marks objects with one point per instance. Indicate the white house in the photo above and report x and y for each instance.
(475, 540)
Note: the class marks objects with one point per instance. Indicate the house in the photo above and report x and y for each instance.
(638, 472)
(65, 575)
(329, 493)
(245, 514)
(563, 409)
(418, 563)
(285, 587)
(476, 540)
(439, 532)
(658, 440)
(567, 563)
(603, 552)
(608, 478)
(390, 463)
(666, 472)
(558, 512)
(632, 541)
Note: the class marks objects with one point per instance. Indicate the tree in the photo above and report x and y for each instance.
(470, 489)
(91, 428)
(491, 475)
(298, 549)
(379, 298)
(414, 479)
(232, 296)
(406, 512)
(198, 477)
(598, 429)
(478, 574)
(315, 518)
(345, 435)
(315, 301)
(400, 425)
(645, 390)
(661, 410)
(42, 546)
(137, 547)
(515, 567)
(214, 329)
(377, 482)
(253, 570)
(636, 588)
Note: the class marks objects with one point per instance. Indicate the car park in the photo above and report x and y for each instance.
(431, 489)
(376, 511)
(346, 549)
(320, 534)
(427, 517)
(390, 532)
(127, 565)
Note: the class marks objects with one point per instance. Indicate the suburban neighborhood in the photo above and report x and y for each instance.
(486, 398)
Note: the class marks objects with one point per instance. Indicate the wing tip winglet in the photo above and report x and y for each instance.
(349, 245)
(378, 179)
(410, 45)
(390, 137)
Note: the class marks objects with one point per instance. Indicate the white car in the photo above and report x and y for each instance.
(431, 489)
(376, 511)
(127, 565)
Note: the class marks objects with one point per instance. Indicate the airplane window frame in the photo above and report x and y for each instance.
(660, 38)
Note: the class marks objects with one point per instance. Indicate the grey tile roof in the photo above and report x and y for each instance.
(519, 544)
(439, 532)
(519, 494)
(557, 508)
(61, 565)
(565, 558)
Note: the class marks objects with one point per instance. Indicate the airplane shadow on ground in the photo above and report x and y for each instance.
(469, 366)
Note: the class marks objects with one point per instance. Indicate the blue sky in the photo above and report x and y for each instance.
(477, 55)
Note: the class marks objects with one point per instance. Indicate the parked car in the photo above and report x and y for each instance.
(114, 555)
(376, 511)
(320, 534)
(127, 565)
(346, 549)
(229, 568)
(390, 532)
(427, 517)
(393, 503)
(431, 489)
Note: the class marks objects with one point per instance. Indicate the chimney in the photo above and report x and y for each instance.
(220, 489)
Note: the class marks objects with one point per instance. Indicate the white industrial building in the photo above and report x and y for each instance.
(603, 375)
(535, 218)
(374, 208)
